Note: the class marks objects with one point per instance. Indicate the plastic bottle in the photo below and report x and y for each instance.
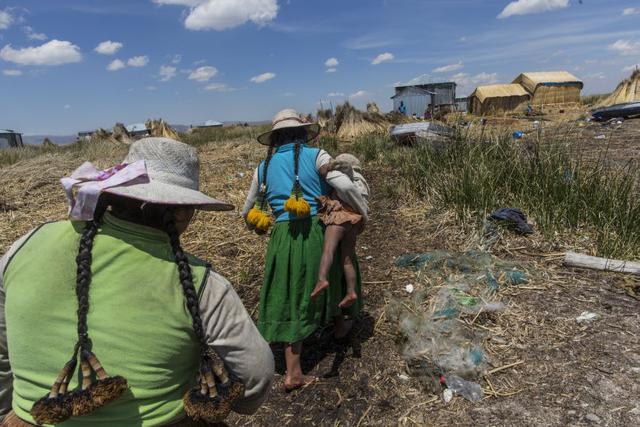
(467, 389)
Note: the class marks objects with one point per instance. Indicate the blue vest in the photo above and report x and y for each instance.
(280, 179)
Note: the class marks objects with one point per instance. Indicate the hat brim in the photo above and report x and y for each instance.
(167, 194)
(313, 129)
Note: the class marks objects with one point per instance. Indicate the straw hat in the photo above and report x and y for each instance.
(173, 171)
(289, 118)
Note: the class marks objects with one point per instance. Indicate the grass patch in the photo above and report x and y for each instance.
(593, 99)
(563, 191)
(86, 150)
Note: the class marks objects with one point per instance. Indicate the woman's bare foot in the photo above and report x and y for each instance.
(291, 383)
(348, 300)
(321, 285)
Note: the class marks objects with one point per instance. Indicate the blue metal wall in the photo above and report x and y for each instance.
(417, 100)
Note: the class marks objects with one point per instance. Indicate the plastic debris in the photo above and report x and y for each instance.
(458, 285)
(600, 137)
(369, 258)
(447, 395)
(518, 134)
(467, 389)
(409, 288)
(587, 317)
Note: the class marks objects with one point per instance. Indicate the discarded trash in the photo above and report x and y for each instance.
(369, 258)
(586, 317)
(600, 137)
(518, 134)
(467, 389)
(513, 218)
(241, 174)
(403, 377)
(409, 288)
(435, 342)
(447, 395)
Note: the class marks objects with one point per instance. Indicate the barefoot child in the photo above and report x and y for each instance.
(343, 223)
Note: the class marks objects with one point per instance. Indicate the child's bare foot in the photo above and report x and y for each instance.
(348, 300)
(291, 383)
(321, 285)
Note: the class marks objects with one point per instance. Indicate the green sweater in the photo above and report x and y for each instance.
(138, 320)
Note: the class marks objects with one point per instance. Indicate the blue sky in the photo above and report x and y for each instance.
(192, 60)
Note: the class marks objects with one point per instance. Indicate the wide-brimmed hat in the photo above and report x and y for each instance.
(173, 176)
(289, 118)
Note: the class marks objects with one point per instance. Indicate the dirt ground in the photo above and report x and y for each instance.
(547, 370)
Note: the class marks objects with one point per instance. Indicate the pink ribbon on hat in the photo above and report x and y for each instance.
(90, 181)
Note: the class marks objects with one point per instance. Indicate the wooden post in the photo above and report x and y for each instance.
(573, 259)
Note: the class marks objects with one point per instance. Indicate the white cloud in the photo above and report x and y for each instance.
(626, 47)
(5, 19)
(33, 35)
(54, 52)
(332, 63)
(359, 94)
(12, 73)
(116, 65)
(631, 68)
(382, 58)
(176, 59)
(108, 47)
(67, 107)
(335, 94)
(449, 68)
(467, 83)
(203, 74)
(218, 87)
(263, 77)
(331, 70)
(225, 14)
(138, 61)
(631, 11)
(167, 73)
(525, 7)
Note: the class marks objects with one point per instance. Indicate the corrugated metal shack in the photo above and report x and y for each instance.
(419, 95)
(9, 138)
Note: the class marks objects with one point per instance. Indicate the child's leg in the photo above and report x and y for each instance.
(347, 255)
(332, 236)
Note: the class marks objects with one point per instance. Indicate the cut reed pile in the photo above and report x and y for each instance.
(627, 90)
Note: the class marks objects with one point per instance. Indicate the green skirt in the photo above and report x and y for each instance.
(287, 313)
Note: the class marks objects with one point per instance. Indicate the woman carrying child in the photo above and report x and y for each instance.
(289, 181)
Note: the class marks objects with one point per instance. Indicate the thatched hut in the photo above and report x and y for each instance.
(627, 91)
(551, 87)
(500, 98)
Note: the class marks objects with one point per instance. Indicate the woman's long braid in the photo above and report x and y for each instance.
(265, 170)
(83, 276)
(296, 159)
(186, 281)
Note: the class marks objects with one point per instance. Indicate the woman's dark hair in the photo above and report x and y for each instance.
(157, 216)
(298, 135)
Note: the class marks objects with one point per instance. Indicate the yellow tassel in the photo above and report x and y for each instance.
(302, 208)
(297, 206)
(264, 223)
(254, 216)
(290, 205)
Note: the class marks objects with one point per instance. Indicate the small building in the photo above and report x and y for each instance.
(138, 130)
(10, 138)
(420, 96)
(210, 124)
(551, 87)
(498, 98)
(462, 105)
